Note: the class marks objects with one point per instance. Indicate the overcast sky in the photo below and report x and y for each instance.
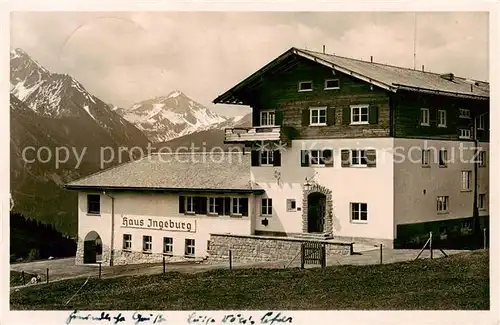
(128, 57)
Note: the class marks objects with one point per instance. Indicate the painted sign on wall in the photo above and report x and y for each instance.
(170, 224)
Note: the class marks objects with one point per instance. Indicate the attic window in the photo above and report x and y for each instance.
(332, 84)
(305, 86)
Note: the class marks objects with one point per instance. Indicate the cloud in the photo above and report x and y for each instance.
(125, 57)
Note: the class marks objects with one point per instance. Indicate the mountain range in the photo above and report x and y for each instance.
(53, 113)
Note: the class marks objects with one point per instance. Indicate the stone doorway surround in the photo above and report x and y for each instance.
(316, 188)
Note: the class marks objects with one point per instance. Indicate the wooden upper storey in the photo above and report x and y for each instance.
(310, 99)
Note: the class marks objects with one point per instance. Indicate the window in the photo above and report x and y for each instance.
(147, 243)
(443, 233)
(481, 202)
(239, 206)
(93, 204)
(316, 158)
(441, 118)
(305, 86)
(190, 204)
(189, 250)
(443, 158)
(332, 84)
(127, 241)
(464, 134)
(267, 118)
(168, 245)
(481, 158)
(359, 212)
(466, 227)
(317, 116)
(267, 207)
(213, 205)
(464, 113)
(480, 122)
(425, 157)
(442, 204)
(267, 158)
(291, 205)
(359, 114)
(466, 178)
(358, 158)
(424, 116)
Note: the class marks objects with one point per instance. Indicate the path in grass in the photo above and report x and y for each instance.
(458, 282)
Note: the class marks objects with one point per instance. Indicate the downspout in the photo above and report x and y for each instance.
(111, 253)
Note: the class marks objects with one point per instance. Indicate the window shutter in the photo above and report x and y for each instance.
(330, 116)
(244, 206)
(371, 158)
(278, 118)
(345, 157)
(305, 117)
(255, 157)
(304, 158)
(328, 157)
(346, 115)
(277, 158)
(219, 202)
(227, 206)
(182, 208)
(255, 117)
(373, 114)
(202, 205)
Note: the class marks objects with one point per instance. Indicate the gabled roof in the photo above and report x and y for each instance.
(207, 172)
(388, 77)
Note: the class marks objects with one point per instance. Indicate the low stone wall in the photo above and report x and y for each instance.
(121, 257)
(266, 248)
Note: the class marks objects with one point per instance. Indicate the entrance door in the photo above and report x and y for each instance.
(92, 248)
(316, 203)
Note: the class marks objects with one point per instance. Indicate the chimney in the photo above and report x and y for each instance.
(371, 58)
(423, 68)
(324, 49)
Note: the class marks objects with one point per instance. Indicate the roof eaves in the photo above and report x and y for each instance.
(161, 189)
(344, 70)
(433, 91)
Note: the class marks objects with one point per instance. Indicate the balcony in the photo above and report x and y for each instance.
(259, 133)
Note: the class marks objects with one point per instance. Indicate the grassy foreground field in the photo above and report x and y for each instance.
(458, 282)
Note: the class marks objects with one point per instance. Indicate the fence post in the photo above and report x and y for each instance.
(230, 259)
(163, 264)
(302, 256)
(380, 253)
(484, 239)
(99, 270)
(47, 275)
(430, 243)
(22, 275)
(323, 255)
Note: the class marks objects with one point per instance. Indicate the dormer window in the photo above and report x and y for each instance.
(267, 118)
(332, 84)
(305, 86)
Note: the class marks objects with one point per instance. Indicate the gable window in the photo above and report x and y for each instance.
(359, 114)
(332, 84)
(480, 122)
(93, 204)
(291, 205)
(466, 180)
(464, 113)
(168, 245)
(443, 158)
(127, 241)
(267, 118)
(359, 212)
(442, 204)
(441, 118)
(424, 118)
(481, 201)
(317, 116)
(147, 244)
(267, 207)
(239, 206)
(464, 134)
(267, 158)
(189, 247)
(305, 86)
(425, 157)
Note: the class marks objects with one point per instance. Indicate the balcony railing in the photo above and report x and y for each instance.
(259, 133)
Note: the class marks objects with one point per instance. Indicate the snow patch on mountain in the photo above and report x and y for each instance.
(87, 109)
